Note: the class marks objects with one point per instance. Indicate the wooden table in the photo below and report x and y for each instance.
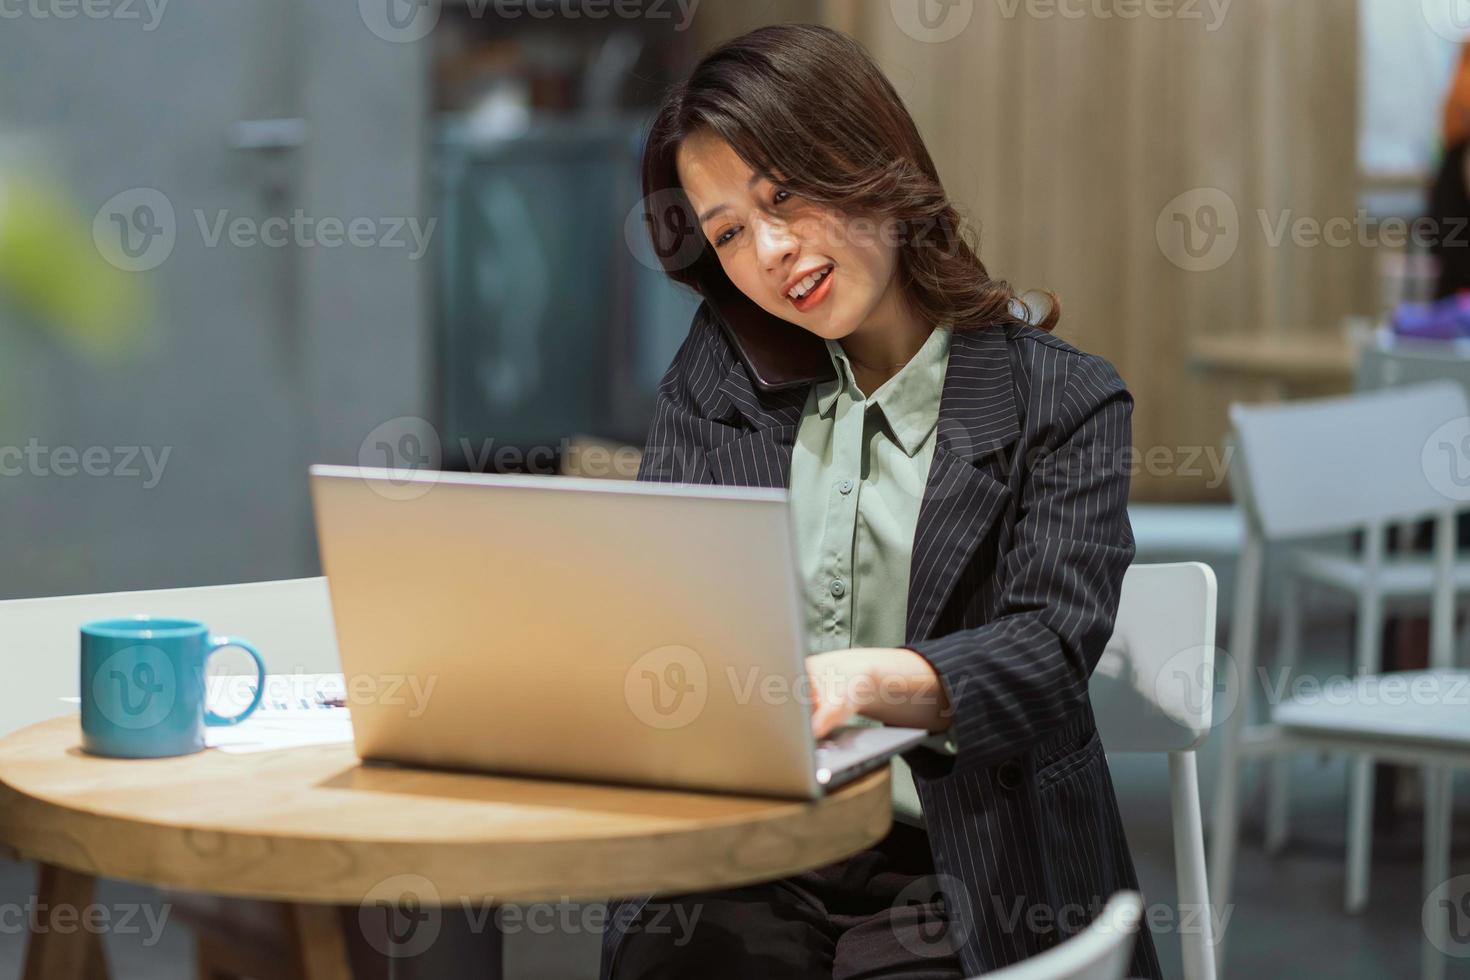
(1316, 361)
(314, 828)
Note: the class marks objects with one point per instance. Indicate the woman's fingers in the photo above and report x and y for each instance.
(840, 684)
(829, 709)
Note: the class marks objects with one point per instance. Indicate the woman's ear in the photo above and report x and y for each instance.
(777, 353)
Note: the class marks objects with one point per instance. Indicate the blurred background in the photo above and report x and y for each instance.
(238, 239)
(177, 274)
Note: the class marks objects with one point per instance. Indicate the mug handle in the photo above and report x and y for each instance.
(217, 643)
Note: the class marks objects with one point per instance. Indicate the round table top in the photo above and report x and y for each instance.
(314, 824)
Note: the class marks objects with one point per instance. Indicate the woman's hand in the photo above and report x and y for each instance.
(888, 684)
(842, 684)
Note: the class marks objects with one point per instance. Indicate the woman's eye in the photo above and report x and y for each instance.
(780, 197)
(725, 236)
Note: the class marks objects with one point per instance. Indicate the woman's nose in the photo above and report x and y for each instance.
(774, 243)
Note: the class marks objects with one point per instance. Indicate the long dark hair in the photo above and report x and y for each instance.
(808, 103)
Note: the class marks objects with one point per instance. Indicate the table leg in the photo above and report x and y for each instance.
(463, 946)
(317, 942)
(75, 954)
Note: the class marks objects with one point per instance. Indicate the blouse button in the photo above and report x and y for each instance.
(845, 486)
(838, 588)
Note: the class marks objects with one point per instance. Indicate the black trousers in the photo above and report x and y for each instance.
(877, 914)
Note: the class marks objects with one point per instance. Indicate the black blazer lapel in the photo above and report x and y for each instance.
(760, 457)
(966, 490)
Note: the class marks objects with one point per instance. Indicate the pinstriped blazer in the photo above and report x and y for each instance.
(1018, 559)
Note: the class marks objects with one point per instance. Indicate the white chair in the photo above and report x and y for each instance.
(1333, 466)
(1152, 692)
(1390, 361)
(1102, 951)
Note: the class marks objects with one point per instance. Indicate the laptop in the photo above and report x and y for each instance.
(598, 630)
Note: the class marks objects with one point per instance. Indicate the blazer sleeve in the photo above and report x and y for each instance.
(688, 407)
(1016, 679)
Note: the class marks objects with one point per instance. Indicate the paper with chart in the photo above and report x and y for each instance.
(295, 710)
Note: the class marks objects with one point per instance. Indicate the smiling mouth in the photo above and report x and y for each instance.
(811, 290)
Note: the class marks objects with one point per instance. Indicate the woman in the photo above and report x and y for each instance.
(959, 507)
(1449, 192)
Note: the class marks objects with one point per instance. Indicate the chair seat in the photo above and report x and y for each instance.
(1421, 706)
(1397, 577)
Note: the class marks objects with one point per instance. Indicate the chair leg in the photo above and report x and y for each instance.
(1369, 660)
(1224, 838)
(1360, 833)
(1189, 864)
(1278, 799)
(1462, 643)
(1438, 783)
(1225, 827)
(1442, 605)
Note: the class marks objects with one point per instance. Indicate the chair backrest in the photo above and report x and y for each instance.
(1325, 465)
(1102, 951)
(289, 621)
(1152, 688)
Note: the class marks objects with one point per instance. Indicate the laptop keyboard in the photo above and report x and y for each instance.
(840, 738)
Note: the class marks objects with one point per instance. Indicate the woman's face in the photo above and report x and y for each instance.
(768, 240)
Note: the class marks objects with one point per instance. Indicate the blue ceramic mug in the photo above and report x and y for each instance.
(142, 686)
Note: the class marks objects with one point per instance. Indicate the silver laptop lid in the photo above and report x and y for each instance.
(560, 626)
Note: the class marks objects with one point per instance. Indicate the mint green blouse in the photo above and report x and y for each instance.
(858, 470)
